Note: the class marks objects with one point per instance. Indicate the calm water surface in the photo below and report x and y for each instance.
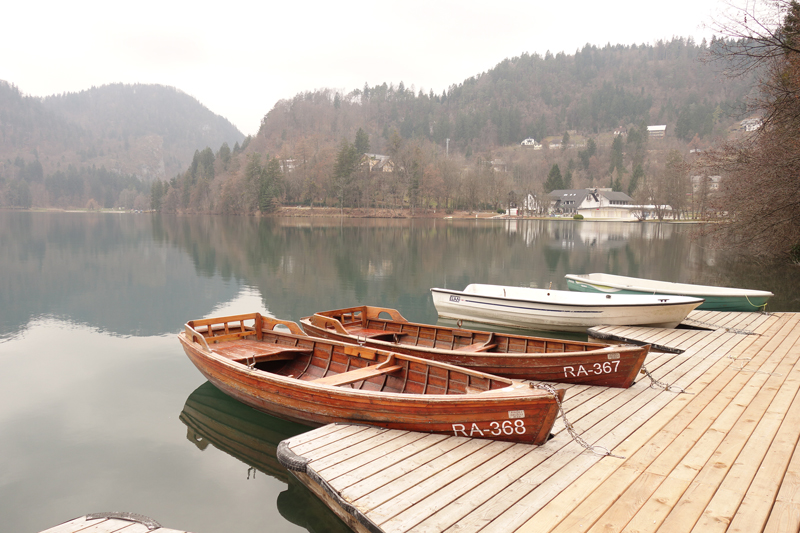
(100, 410)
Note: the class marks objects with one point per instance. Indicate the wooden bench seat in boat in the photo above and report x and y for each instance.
(359, 374)
(249, 351)
(484, 346)
(377, 334)
(477, 347)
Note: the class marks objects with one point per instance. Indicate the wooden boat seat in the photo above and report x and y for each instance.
(359, 374)
(477, 347)
(248, 351)
(377, 334)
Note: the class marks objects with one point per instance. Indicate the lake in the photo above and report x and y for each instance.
(100, 409)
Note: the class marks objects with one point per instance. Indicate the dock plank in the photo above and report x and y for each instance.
(661, 444)
(681, 474)
(580, 504)
(554, 484)
(721, 458)
(415, 471)
(83, 524)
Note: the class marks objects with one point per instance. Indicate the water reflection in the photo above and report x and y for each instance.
(106, 271)
(90, 302)
(143, 275)
(252, 437)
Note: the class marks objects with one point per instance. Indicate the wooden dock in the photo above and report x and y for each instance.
(717, 458)
(108, 522)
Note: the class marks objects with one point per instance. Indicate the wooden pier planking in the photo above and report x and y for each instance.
(675, 432)
(84, 524)
(720, 459)
(705, 435)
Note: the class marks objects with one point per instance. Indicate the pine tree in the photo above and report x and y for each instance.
(362, 142)
(636, 177)
(270, 186)
(616, 156)
(554, 181)
(344, 170)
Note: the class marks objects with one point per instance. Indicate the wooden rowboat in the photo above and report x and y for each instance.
(318, 381)
(512, 356)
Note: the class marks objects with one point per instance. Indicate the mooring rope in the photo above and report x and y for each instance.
(762, 307)
(605, 452)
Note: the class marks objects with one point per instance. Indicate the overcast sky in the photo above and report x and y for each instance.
(239, 58)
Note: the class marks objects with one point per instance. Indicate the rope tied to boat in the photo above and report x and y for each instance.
(762, 307)
(604, 452)
(656, 384)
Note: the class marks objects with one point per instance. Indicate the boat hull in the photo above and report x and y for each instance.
(554, 310)
(511, 356)
(515, 412)
(715, 298)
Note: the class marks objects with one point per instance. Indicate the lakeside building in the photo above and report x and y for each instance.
(601, 203)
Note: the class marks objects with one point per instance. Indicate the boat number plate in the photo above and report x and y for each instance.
(597, 368)
(454, 298)
(495, 429)
(516, 414)
(613, 356)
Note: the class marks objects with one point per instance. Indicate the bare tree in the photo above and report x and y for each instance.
(760, 190)
(675, 184)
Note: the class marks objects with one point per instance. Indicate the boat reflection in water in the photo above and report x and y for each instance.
(252, 437)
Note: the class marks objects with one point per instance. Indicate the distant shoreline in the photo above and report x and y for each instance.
(355, 212)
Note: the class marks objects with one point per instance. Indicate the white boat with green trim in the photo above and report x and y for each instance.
(716, 298)
(546, 309)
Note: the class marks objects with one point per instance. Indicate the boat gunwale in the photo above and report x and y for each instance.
(680, 289)
(687, 300)
(511, 391)
(609, 348)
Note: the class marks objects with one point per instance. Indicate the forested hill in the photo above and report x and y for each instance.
(461, 148)
(67, 149)
(458, 149)
(596, 90)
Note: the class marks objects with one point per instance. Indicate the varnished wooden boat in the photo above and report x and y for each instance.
(317, 381)
(513, 356)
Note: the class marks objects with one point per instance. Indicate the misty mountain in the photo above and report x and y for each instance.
(106, 145)
(130, 134)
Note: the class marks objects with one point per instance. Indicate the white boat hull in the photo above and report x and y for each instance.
(716, 298)
(554, 310)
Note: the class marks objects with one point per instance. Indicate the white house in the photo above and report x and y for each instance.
(751, 124)
(531, 142)
(710, 183)
(597, 203)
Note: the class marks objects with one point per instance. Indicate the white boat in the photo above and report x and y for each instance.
(716, 298)
(547, 309)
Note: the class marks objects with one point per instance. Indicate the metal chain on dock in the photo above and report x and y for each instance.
(744, 361)
(710, 325)
(146, 521)
(656, 384)
(605, 452)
